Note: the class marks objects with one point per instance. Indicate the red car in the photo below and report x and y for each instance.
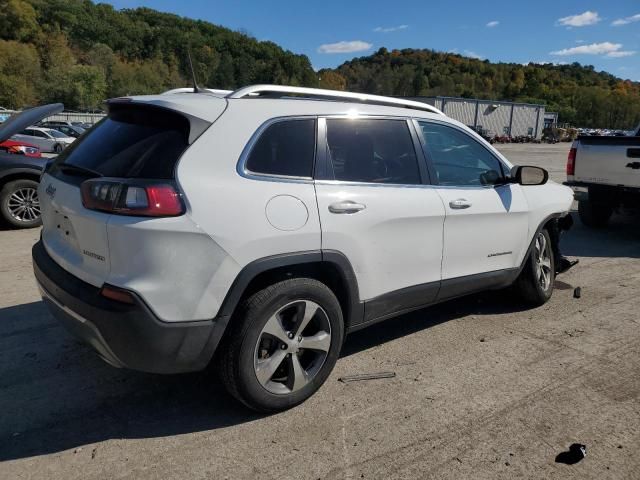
(20, 148)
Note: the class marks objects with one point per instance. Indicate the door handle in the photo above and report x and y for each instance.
(459, 204)
(346, 206)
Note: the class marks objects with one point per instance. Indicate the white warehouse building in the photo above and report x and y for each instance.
(495, 117)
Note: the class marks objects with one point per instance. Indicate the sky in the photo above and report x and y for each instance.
(605, 34)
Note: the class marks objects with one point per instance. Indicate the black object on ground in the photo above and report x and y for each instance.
(366, 376)
(577, 292)
(575, 453)
(565, 264)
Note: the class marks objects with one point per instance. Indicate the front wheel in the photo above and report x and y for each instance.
(535, 283)
(19, 203)
(282, 344)
(57, 148)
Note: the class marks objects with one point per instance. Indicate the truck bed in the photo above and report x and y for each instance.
(612, 161)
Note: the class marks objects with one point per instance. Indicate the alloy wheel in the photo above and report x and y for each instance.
(543, 261)
(24, 205)
(292, 347)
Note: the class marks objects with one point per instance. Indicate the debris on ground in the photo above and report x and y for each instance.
(577, 292)
(573, 333)
(366, 376)
(575, 453)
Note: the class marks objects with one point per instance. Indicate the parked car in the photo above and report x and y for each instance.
(70, 131)
(20, 148)
(19, 174)
(323, 212)
(46, 139)
(84, 125)
(604, 172)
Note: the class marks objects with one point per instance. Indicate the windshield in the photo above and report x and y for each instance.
(134, 141)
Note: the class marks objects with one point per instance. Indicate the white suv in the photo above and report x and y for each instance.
(263, 225)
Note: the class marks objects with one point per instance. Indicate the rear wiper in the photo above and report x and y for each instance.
(76, 170)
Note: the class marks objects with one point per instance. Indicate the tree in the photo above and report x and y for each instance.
(331, 80)
(17, 20)
(19, 74)
(89, 86)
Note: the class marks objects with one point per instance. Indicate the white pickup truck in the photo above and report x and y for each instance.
(604, 173)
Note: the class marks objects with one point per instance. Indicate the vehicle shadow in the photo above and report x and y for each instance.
(620, 238)
(56, 394)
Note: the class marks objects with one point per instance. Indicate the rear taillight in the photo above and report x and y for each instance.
(571, 162)
(132, 197)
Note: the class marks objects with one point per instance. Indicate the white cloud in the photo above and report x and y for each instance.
(579, 41)
(345, 47)
(493, 23)
(607, 49)
(581, 20)
(621, 53)
(626, 20)
(472, 54)
(390, 29)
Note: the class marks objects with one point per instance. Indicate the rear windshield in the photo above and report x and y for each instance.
(132, 142)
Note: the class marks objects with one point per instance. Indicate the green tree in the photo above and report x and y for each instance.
(19, 74)
(89, 86)
(17, 20)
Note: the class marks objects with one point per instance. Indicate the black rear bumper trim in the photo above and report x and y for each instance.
(129, 336)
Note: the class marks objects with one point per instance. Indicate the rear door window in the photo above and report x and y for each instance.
(286, 148)
(372, 151)
(132, 142)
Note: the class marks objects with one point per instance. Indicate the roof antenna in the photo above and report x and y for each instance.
(196, 88)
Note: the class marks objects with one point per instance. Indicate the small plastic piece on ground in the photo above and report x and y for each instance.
(577, 292)
(366, 376)
(576, 452)
(565, 264)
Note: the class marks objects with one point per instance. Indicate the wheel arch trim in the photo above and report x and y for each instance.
(274, 262)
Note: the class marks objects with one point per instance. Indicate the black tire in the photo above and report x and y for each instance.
(237, 357)
(594, 215)
(528, 285)
(57, 148)
(8, 197)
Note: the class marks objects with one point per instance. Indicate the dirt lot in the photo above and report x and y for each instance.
(483, 389)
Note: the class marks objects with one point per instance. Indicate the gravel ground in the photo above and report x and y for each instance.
(483, 388)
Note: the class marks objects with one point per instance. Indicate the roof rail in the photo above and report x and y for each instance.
(190, 90)
(279, 91)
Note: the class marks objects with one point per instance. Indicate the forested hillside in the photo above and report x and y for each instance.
(80, 53)
(581, 95)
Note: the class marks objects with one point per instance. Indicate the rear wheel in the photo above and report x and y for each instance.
(283, 343)
(535, 283)
(594, 215)
(19, 203)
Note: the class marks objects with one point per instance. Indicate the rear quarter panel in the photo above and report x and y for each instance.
(232, 209)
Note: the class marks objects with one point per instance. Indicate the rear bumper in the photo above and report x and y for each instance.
(128, 336)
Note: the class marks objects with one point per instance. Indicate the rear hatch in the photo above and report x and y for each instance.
(608, 161)
(137, 142)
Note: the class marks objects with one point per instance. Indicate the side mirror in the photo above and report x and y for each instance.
(527, 175)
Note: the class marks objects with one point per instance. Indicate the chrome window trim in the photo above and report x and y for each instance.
(373, 184)
(241, 167)
(505, 169)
